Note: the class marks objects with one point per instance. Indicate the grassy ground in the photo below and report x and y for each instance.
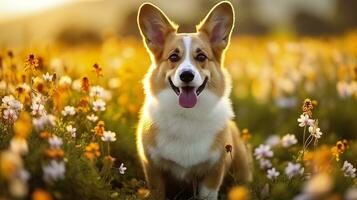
(272, 77)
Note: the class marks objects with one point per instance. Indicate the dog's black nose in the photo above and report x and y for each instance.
(187, 76)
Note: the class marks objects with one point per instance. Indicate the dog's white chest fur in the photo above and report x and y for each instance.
(185, 136)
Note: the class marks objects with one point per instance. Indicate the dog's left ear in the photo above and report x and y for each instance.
(218, 25)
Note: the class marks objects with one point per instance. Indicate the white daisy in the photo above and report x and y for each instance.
(54, 171)
(263, 151)
(108, 136)
(348, 169)
(55, 142)
(71, 130)
(293, 169)
(47, 77)
(122, 169)
(288, 140)
(315, 131)
(304, 120)
(92, 118)
(272, 174)
(99, 105)
(68, 110)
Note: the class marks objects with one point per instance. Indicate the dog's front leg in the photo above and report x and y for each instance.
(209, 186)
(155, 180)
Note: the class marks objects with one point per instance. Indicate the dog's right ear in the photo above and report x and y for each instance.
(154, 27)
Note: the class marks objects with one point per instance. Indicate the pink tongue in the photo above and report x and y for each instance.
(188, 97)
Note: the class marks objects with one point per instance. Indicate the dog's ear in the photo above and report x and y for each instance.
(218, 25)
(154, 27)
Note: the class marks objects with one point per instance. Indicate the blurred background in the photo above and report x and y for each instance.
(24, 22)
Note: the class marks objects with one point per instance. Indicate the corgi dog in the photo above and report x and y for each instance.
(186, 119)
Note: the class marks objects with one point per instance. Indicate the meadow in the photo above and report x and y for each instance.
(68, 117)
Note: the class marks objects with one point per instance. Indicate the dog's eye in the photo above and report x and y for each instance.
(174, 57)
(201, 57)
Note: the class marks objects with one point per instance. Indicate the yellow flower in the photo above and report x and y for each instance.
(40, 194)
(143, 193)
(98, 70)
(23, 126)
(246, 135)
(238, 193)
(92, 150)
(54, 153)
(99, 128)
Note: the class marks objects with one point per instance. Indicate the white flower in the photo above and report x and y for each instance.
(38, 109)
(53, 171)
(122, 169)
(315, 131)
(92, 118)
(99, 105)
(304, 120)
(47, 77)
(19, 146)
(263, 151)
(10, 114)
(272, 140)
(55, 142)
(265, 164)
(108, 136)
(77, 85)
(288, 140)
(294, 169)
(68, 110)
(96, 91)
(11, 103)
(272, 174)
(348, 169)
(41, 122)
(65, 81)
(71, 130)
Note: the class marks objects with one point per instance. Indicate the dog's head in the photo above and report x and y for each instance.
(187, 64)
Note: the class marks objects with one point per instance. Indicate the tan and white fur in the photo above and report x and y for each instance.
(185, 121)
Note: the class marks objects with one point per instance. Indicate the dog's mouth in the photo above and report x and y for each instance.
(188, 94)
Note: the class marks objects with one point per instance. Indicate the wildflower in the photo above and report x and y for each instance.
(263, 151)
(83, 105)
(339, 148)
(68, 110)
(272, 140)
(96, 91)
(19, 146)
(54, 171)
(22, 127)
(238, 193)
(272, 174)
(265, 163)
(65, 81)
(55, 142)
(76, 85)
(54, 153)
(304, 120)
(348, 169)
(98, 70)
(45, 134)
(85, 84)
(143, 193)
(47, 77)
(38, 109)
(92, 118)
(71, 130)
(99, 128)
(41, 122)
(40, 194)
(31, 63)
(315, 131)
(92, 150)
(10, 115)
(308, 107)
(108, 136)
(246, 135)
(294, 169)
(99, 105)
(288, 140)
(122, 168)
(10, 102)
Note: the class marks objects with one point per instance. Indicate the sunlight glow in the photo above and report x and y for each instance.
(14, 8)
